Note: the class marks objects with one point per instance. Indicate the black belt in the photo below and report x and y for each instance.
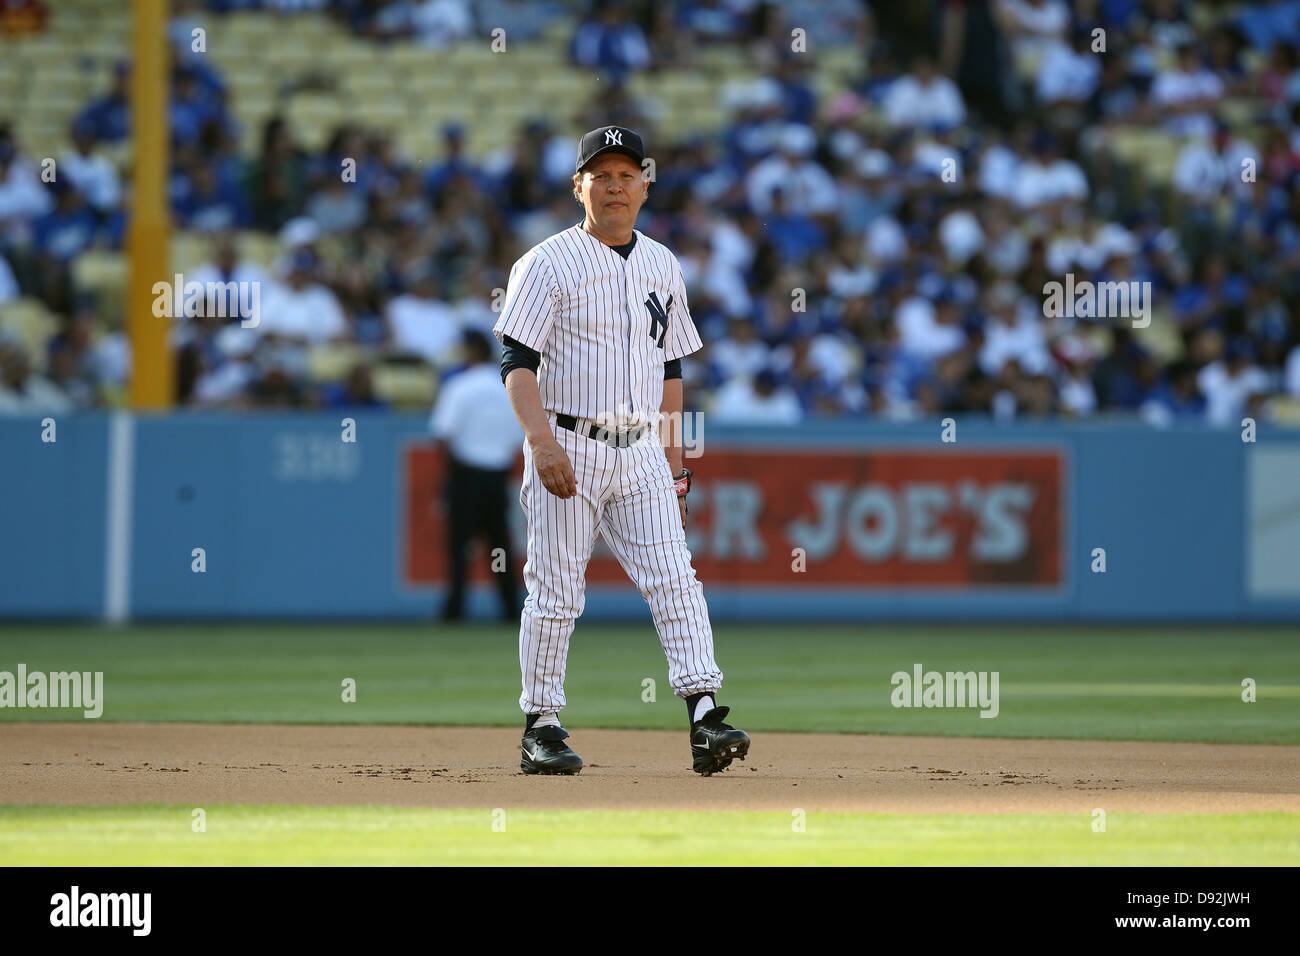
(609, 436)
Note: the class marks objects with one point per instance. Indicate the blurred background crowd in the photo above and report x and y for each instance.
(867, 198)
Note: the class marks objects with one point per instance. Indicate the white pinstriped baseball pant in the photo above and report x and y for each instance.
(626, 495)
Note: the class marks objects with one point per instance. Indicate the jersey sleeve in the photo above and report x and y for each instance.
(532, 297)
(683, 338)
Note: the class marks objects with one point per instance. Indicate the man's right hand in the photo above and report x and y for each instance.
(554, 468)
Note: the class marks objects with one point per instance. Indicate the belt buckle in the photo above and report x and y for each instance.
(629, 436)
(618, 437)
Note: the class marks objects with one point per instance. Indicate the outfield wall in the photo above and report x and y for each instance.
(839, 521)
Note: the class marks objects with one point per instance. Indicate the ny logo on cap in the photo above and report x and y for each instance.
(613, 137)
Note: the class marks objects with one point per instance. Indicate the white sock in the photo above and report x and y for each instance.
(702, 707)
(547, 720)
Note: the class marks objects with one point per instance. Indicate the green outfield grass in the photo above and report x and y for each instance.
(153, 835)
(1077, 682)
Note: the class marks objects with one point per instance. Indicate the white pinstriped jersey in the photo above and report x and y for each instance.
(603, 325)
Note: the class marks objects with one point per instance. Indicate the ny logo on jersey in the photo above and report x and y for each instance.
(658, 318)
(613, 137)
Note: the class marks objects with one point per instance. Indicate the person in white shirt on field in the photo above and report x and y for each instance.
(475, 426)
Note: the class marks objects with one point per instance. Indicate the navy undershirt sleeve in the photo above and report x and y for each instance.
(517, 355)
(673, 369)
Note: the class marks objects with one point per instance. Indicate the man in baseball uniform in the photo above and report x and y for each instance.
(594, 327)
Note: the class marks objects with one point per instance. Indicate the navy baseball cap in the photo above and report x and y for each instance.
(609, 139)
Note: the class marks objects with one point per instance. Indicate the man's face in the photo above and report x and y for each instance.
(612, 190)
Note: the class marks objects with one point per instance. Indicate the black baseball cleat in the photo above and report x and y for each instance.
(715, 744)
(543, 750)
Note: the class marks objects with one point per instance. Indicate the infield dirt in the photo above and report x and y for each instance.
(91, 763)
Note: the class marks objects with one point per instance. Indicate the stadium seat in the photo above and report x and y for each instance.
(259, 247)
(407, 386)
(101, 271)
(331, 363)
(32, 323)
(189, 250)
(1286, 411)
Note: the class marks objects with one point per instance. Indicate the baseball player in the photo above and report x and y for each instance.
(594, 327)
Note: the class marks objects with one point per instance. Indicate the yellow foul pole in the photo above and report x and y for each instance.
(153, 371)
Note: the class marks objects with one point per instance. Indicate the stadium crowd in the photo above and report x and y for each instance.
(880, 251)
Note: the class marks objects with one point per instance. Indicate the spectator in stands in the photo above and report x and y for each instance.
(338, 207)
(1269, 22)
(22, 391)
(301, 311)
(928, 329)
(91, 174)
(798, 99)
(1013, 332)
(739, 355)
(1291, 376)
(807, 189)
(440, 23)
(1209, 168)
(796, 236)
(524, 20)
(23, 198)
(1187, 94)
(71, 365)
(9, 290)
(210, 204)
(1048, 179)
(276, 181)
(454, 162)
(1069, 73)
(1033, 27)
(924, 98)
(708, 22)
(1230, 382)
(109, 118)
(356, 391)
(1078, 396)
(760, 400)
(58, 238)
(1209, 298)
(1176, 399)
(421, 323)
(1279, 81)
(609, 41)
(233, 274)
